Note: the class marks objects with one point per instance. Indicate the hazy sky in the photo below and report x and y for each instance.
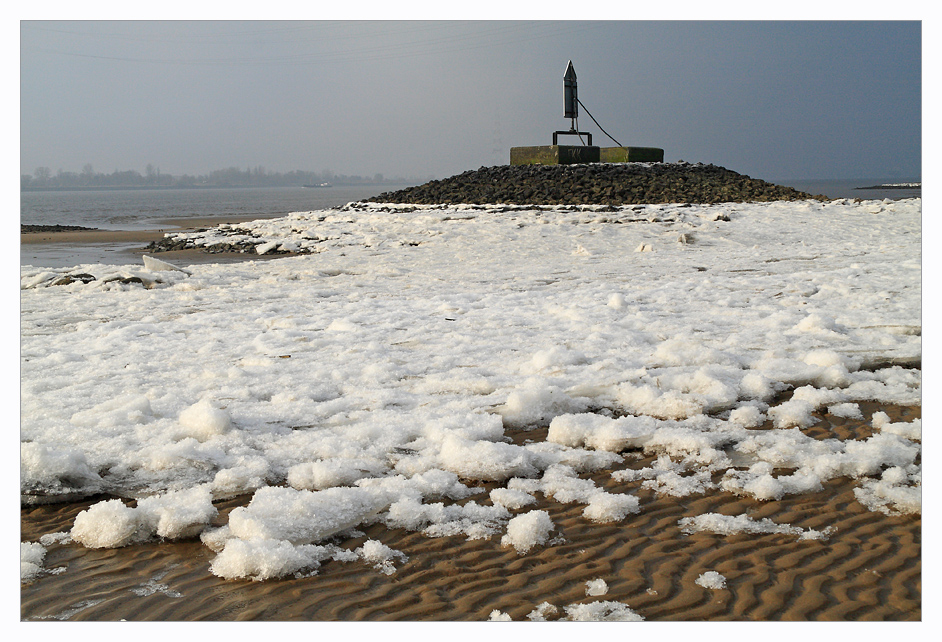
(773, 100)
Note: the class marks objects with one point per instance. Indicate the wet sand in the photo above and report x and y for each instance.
(868, 570)
(51, 235)
(141, 238)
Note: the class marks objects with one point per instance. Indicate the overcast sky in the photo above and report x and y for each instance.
(774, 100)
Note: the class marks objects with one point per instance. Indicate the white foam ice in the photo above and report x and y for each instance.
(711, 580)
(378, 378)
(32, 556)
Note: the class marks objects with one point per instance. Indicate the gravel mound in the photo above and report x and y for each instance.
(596, 184)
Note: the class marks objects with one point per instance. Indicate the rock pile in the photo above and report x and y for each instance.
(595, 183)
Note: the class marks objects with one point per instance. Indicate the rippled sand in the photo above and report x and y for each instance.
(869, 569)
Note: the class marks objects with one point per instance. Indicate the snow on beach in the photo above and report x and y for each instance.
(375, 379)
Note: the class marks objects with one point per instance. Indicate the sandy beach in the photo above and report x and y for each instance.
(868, 569)
(142, 238)
(768, 372)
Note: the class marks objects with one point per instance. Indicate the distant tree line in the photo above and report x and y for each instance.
(88, 178)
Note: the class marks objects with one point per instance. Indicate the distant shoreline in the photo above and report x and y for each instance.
(134, 188)
(894, 186)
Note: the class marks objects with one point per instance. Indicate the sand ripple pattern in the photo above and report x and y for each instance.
(868, 569)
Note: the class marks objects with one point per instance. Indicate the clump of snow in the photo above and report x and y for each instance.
(732, 524)
(512, 499)
(302, 516)
(484, 460)
(499, 616)
(381, 556)
(896, 492)
(49, 539)
(537, 400)
(173, 515)
(711, 580)
(327, 473)
(528, 530)
(542, 611)
(845, 410)
(747, 416)
(909, 430)
(107, 524)
(596, 587)
(56, 470)
(795, 413)
(262, 559)
(32, 556)
(600, 432)
(203, 420)
(601, 612)
(606, 508)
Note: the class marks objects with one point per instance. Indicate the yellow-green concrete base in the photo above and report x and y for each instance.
(554, 155)
(570, 154)
(631, 155)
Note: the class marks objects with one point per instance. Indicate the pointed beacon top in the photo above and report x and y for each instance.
(570, 72)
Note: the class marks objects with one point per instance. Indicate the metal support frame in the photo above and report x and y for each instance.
(573, 132)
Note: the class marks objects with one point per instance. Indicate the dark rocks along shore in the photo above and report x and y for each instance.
(610, 184)
(595, 184)
(30, 229)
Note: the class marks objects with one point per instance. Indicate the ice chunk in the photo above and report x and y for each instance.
(792, 413)
(528, 530)
(265, 248)
(246, 475)
(485, 460)
(732, 524)
(596, 587)
(203, 420)
(600, 432)
(263, 559)
(178, 514)
(910, 430)
(538, 401)
(327, 473)
(601, 612)
(711, 580)
(302, 516)
(380, 555)
(156, 265)
(173, 515)
(55, 471)
(541, 612)
(747, 416)
(108, 524)
(845, 410)
(32, 556)
(895, 493)
(512, 499)
(818, 323)
(605, 508)
(672, 483)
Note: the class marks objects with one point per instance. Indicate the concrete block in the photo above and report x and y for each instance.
(554, 155)
(631, 155)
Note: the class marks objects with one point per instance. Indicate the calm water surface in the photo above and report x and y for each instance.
(152, 209)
